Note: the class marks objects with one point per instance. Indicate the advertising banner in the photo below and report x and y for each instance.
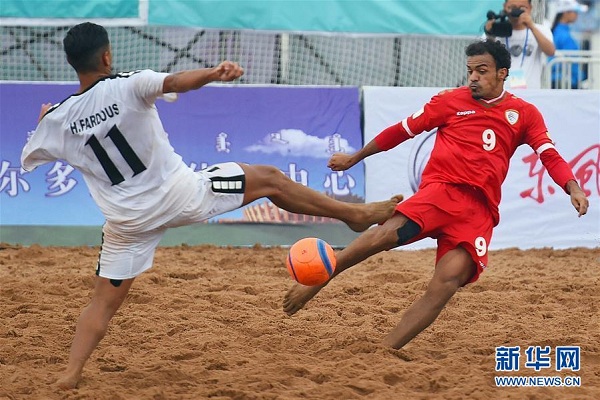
(295, 129)
(534, 211)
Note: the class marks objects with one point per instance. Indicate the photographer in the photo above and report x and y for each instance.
(528, 43)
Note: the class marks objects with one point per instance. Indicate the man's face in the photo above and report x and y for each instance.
(485, 81)
(523, 5)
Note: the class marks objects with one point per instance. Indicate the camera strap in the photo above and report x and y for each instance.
(524, 47)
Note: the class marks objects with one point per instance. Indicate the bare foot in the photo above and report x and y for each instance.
(374, 213)
(298, 296)
(68, 382)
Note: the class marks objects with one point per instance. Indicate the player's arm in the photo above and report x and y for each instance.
(578, 197)
(184, 81)
(558, 169)
(40, 147)
(561, 173)
(430, 116)
(44, 110)
(35, 153)
(387, 139)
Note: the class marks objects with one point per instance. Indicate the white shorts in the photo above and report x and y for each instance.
(125, 255)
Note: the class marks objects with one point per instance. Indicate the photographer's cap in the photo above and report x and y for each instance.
(563, 6)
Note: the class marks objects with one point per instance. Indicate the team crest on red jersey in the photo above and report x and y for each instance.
(512, 116)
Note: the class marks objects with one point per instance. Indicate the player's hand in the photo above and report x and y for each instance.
(228, 71)
(44, 110)
(340, 162)
(578, 198)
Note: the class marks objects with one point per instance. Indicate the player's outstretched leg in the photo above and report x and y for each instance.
(91, 327)
(373, 241)
(268, 181)
(453, 271)
(297, 296)
(374, 213)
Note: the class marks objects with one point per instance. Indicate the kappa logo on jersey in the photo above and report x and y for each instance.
(468, 112)
(512, 116)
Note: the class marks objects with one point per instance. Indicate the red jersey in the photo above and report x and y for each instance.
(475, 140)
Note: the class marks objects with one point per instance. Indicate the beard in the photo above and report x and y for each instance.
(475, 94)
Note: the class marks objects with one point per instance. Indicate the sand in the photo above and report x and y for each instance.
(206, 322)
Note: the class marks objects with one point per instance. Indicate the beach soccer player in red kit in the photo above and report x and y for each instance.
(479, 128)
(110, 130)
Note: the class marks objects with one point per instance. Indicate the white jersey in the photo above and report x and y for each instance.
(113, 135)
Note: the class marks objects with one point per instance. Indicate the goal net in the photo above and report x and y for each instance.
(34, 53)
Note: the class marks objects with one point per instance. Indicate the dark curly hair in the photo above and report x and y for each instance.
(492, 47)
(84, 45)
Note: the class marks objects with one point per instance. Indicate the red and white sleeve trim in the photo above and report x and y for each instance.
(544, 147)
(557, 167)
(405, 126)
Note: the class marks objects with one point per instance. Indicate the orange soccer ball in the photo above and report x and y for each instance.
(311, 261)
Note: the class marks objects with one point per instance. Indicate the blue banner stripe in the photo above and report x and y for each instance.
(324, 256)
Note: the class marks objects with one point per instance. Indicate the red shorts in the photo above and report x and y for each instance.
(455, 215)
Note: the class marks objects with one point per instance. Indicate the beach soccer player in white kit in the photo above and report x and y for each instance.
(111, 132)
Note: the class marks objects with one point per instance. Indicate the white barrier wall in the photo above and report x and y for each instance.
(534, 211)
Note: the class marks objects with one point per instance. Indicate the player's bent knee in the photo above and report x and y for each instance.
(270, 176)
(381, 237)
(277, 181)
(407, 232)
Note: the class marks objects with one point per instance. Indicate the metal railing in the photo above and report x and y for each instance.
(564, 62)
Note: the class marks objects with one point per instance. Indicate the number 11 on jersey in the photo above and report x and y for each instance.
(134, 162)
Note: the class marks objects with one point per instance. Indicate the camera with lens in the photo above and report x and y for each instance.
(501, 27)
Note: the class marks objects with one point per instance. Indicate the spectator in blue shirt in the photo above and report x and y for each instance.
(566, 13)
